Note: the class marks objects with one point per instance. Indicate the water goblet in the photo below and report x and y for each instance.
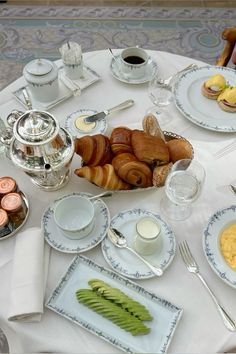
(161, 96)
(182, 187)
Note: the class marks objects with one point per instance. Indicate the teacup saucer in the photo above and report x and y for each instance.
(151, 68)
(72, 126)
(57, 239)
(126, 263)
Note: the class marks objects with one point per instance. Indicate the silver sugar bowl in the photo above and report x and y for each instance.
(42, 149)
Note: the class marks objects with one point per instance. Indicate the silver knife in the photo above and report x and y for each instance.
(103, 114)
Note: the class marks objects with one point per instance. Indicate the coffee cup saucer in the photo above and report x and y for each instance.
(59, 241)
(117, 73)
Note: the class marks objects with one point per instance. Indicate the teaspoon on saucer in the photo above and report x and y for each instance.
(101, 195)
(119, 240)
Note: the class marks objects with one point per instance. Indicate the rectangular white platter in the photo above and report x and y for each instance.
(165, 314)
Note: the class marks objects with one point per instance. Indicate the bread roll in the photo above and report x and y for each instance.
(160, 173)
(148, 148)
(179, 149)
(151, 126)
(132, 171)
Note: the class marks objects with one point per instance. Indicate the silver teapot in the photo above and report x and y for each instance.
(41, 148)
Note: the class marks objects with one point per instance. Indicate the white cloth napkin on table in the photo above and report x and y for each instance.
(29, 274)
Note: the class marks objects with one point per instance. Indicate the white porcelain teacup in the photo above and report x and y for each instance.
(75, 216)
(133, 62)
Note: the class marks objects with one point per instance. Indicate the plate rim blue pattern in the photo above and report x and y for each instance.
(209, 250)
(138, 275)
(47, 214)
(100, 129)
(194, 119)
(128, 80)
(121, 280)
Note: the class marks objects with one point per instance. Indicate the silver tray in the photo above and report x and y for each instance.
(26, 202)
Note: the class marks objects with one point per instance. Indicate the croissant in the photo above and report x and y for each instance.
(94, 149)
(121, 140)
(148, 148)
(102, 176)
(132, 171)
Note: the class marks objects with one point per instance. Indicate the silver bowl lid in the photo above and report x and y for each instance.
(35, 128)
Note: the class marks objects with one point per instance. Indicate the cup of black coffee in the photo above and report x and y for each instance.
(133, 62)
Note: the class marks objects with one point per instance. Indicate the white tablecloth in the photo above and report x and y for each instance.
(201, 329)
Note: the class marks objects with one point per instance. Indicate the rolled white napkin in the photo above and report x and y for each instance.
(29, 274)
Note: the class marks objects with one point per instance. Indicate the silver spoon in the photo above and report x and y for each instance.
(101, 195)
(119, 240)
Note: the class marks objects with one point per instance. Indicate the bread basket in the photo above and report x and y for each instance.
(168, 136)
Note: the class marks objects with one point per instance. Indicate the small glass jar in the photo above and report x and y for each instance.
(5, 226)
(148, 236)
(7, 185)
(14, 205)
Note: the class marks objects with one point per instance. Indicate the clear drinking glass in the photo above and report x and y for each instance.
(161, 96)
(183, 186)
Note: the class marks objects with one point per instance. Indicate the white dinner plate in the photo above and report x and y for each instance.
(217, 222)
(165, 314)
(70, 123)
(57, 240)
(151, 68)
(199, 109)
(126, 263)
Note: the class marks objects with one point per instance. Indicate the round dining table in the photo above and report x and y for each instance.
(200, 328)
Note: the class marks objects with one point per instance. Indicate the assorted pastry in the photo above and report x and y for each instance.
(130, 158)
(216, 88)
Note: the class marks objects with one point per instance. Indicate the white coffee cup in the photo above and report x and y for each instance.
(133, 62)
(75, 216)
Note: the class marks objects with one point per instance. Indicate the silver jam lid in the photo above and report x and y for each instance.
(39, 67)
(36, 127)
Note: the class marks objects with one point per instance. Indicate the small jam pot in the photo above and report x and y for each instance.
(14, 205)
(7, 185)
(148, 236)
(5, 226)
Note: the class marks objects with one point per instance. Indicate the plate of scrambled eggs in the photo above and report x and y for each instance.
(219, 244)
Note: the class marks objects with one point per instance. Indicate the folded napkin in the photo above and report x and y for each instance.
(29, 274)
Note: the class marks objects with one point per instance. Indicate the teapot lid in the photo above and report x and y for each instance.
(35, 127)
(39, 67)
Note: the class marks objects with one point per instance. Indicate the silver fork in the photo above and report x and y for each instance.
(167, 81)
(192, 267)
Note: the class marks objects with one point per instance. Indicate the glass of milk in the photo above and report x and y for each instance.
(148, 236)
